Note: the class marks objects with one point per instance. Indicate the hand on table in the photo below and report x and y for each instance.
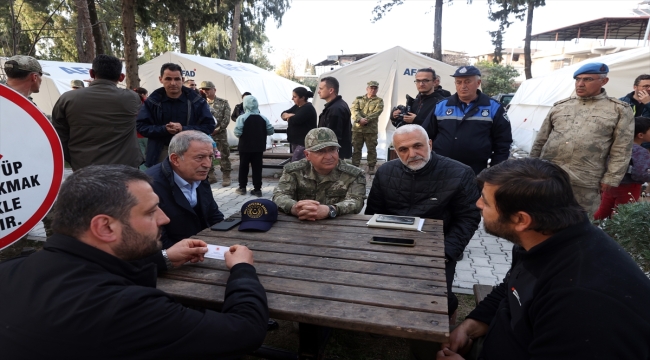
(310, 210)
(191, 250)
(238, 254)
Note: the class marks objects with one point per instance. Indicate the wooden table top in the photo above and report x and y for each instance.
(327, 273)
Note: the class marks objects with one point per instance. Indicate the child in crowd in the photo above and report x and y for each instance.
(630, 187)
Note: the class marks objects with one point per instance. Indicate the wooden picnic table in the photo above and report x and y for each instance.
(326, 273)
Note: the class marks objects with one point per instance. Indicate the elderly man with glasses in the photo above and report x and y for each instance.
(589, 135)
(321, 185)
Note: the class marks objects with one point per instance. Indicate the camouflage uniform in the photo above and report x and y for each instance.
(580, 134)
(220, 109)
(344, 187)
(369, 108)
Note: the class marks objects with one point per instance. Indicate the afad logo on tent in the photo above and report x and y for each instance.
(410, 72)
(190, 73)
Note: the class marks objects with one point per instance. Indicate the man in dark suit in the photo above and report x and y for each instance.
(180, 183)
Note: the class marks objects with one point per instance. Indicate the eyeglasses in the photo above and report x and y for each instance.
(327, 150)
(586, 80)
(422, 81)
(644, 86)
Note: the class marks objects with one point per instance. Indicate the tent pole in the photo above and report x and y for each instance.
(605, 36)
(647, 33)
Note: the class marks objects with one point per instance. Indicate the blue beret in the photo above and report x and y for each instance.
(592, 68)
(467, 71)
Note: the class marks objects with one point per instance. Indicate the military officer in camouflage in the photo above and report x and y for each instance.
(320, 186)
(220, 109)
(582, 132)
(365, 114)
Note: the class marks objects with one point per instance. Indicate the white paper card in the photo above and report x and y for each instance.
(216, 252)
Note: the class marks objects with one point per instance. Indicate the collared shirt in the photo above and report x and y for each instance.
(189, 190)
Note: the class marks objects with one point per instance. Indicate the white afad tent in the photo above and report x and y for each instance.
(231, 79)
(395, 70)
(536, 96)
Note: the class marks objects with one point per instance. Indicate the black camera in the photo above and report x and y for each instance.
(404, 110)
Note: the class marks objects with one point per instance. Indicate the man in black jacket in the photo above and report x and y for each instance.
(180, 183)
(336, 115)
(169, 110)
(424, 103)
(571, 293)
(427, 185)
(90, 293)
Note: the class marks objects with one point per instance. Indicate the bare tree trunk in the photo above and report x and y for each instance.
(130, 44)
(97, 33)
(182, 34)
(529, 28)
(437, 32)
(235, 31)
(106, 42)
(14, 30)
(84, 33)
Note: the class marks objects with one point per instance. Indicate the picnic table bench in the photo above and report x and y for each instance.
(327, 274)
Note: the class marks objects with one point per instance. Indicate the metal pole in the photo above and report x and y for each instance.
(647, 33)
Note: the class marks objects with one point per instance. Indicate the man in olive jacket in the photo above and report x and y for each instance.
(96, 124)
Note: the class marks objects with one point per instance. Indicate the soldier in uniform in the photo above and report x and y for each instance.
(321, 185)
(581, 132)
(24, 74)
(365, 113)
(77, 84)
(220, 109)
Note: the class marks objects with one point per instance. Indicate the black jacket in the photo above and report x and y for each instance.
(303, 120)
(253, 137)
(151, 120)
(423, 105)
(443, 189)
(237, 111)
(184, 221)
(337, 116)
(443, 93)
(577, 295)
(73, 301)
(471, 134)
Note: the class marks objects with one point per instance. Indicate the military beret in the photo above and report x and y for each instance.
(592, 68)
(207, 85)
(373, 83)
(467, 71)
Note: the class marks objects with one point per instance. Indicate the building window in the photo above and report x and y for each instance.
(515, 57)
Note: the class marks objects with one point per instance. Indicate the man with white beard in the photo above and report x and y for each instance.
(422, 183)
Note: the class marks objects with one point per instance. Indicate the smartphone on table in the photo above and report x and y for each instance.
(392, 241)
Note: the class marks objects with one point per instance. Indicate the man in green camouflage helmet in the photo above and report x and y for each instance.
(320, 186)
(365, 116)
(220, 109)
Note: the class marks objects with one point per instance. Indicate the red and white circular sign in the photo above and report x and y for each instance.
(31, 166)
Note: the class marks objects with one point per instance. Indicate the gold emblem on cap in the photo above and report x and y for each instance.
(255, 210)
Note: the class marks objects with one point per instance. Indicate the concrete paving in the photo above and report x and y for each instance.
(486, 258)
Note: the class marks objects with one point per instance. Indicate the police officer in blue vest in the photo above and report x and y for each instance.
(470, 127)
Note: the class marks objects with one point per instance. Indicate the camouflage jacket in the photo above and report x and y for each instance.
(369, 108)
(220, 109)
(579, 134)
(344, 187)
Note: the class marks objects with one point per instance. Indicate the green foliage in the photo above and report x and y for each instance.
(496, 78)
(630, 227)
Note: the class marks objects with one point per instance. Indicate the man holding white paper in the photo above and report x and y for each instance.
(427, 185)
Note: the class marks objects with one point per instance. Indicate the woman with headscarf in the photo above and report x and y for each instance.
(251, 128)
(300, 118)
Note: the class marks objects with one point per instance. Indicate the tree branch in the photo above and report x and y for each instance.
(37, 37)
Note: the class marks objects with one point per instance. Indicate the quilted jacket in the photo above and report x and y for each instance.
(443, 189)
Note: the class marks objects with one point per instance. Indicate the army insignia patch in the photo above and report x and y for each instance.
(449, 111)
(255, 210)
(485, 112)
(462, 71)
(603, 68)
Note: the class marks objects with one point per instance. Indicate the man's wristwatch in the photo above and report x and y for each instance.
(168, 262)
(332, 213)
